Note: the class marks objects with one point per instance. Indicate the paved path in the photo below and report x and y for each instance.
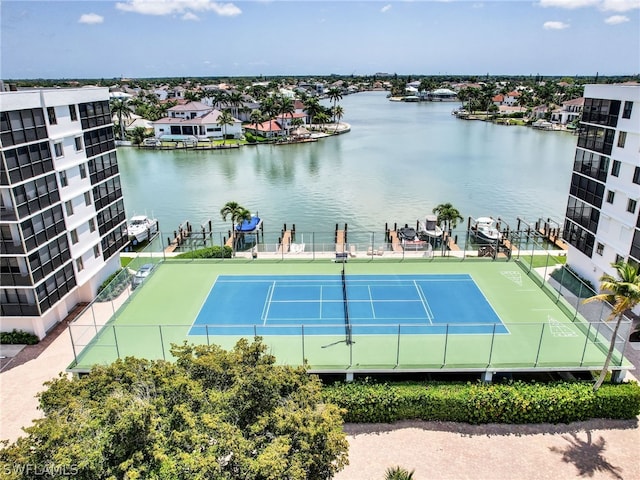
(599, 449)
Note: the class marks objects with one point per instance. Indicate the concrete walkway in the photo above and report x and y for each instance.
(598, 449)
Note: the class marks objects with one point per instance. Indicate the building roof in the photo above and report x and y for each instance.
(190, 107)
(576, 101)
(268, 126)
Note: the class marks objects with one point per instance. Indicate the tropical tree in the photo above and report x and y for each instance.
(334, 94)
(313, 108)
(285, 106)
(448, 216)
(269, 109)
(121, 109)
(338, 113)
(225, 119)
(398, 473)
(235, 101)
(138, 135)
(623, 294)
(211, 413)
(237, 213)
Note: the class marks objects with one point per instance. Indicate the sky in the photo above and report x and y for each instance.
(200, 38)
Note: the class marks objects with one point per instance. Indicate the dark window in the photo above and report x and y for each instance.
(599, 249)
(626, 112)
(591, 164)
(597, 139)
(78, 141)
(583, 214)
(20, 126)
(615, 168)
(580, 238)
(631, 205)
(601, 112)
(610, 196)
(63, 178)
(635, 245)
(622, 138)
(51, 113)
(636, 175)
(57, 147)
(73, 113)
(591, 191)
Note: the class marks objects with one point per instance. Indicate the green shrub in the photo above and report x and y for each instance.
(209, 252)
(114, 285)
(568, 278)
(476, 403)
(18, 337)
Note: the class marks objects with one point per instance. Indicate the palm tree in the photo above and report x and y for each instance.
(237, 214)
(447, 215)
(623, 294)
(338, 113)
(285, 106)
(235, 101)
(398, 473)
(122, 109)
(334, 95)
(268, 107)
(312, 107)
(225, 119)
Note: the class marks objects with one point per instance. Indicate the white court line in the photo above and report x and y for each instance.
(373, 310)
(267, 304)
(425, 303)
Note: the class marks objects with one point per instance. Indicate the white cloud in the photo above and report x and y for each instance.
(190, 16)
(386, 8)
(555, 25)
(569, 4)
(91, 18)
(616, 19)
(620, 5)
(170, 7)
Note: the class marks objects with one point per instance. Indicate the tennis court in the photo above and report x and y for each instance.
(354, 304)
(396, 316)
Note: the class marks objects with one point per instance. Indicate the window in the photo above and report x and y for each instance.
(78, 144)
(599, 249)
(610, 196)
(83, 170)
(74, 236)
(622, 138)
(96, 251)
(69, 206)
(92, 225)
(636, 175)
(631, 205)
(87, 198)
(51, 113)
(626, 112)
(619, 259)
(58, 149)
(80, 264)
(73, 113)
(615, 168)
(63, 178)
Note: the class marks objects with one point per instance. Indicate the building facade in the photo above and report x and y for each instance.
(602, 223)
(62, 216)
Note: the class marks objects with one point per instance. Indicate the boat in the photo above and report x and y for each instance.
(247, 232)
(410, 239)
(430, 230)
(141, 228)
(249, 226)
(485, 230)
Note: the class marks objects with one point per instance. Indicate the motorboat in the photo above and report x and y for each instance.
(409, 239)
(141, 228)
(430, 230)
(249, 226)
(247, 232)
(485, 230)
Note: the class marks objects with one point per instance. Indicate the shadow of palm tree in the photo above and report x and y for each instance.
(587, 455)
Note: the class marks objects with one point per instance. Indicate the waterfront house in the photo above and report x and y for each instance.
(195, 119)
(569, 112)
(268, 129)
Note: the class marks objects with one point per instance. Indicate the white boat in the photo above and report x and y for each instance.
(141, 228)
(485, 230)
(430, 230)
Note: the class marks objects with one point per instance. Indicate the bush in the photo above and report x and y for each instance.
(18, 337)
(209, 252)
(114, 285)
(476, 403)
(568, 278)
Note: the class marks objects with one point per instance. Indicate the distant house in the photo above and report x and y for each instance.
(442, 95)
(569, 112)
(268, 129)
(512, 98)
(194, 119)
(498, 100)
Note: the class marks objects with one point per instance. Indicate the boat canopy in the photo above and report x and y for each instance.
(249, 225)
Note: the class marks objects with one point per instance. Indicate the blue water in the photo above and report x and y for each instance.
(398, 162)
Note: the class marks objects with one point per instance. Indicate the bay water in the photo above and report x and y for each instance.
(398, 162)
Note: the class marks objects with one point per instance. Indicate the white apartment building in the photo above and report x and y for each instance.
(62, 217)
(602, 222)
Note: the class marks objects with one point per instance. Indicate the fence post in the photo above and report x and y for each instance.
(539, 345)
(302, 338)
(206, 328)
(446, 341)
(398, 349)
(164, 357)
(586, 342)
(115, 338)
(73, 345)
(493, 337)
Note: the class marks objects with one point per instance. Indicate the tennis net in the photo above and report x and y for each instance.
(347, 323)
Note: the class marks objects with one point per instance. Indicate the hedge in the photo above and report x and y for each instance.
(18, 337)
(476, 403)
(208, 252)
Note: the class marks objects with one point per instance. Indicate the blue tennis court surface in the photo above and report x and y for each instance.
(376, 305)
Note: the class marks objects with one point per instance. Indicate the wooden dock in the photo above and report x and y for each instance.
(341, 244)
(450, 243)
(552, 236)
(396, 246)
(285, 242)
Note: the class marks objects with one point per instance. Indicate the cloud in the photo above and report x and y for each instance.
(172, 7)
(555, 25)
(616, 19)
(91, 18)
(190, 16)
(569, 4)
(386, 8)
(620, 5)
